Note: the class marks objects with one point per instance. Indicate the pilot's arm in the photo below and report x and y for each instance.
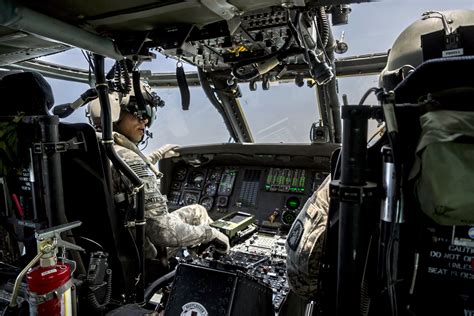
(185, 227)
(188, 226)
(165, 151)
(305, 243)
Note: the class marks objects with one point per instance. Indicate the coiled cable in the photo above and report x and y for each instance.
(108, 294)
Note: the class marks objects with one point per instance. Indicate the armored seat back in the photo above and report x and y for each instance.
(437, 152)
(88, 198)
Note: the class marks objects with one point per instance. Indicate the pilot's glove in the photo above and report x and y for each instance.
(220, 241)
(165, 151)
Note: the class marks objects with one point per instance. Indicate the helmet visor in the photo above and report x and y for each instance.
(147, 112)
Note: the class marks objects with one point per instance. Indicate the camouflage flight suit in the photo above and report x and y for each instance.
(187, 226)
(305, 242)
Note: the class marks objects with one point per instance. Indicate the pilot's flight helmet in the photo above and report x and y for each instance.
(93, 110)
(407, 51)
(152, 101)
(128, 103)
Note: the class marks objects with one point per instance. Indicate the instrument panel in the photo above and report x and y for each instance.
(274, 195)
(267, 182)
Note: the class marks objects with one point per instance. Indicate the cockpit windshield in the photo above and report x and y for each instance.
(285, 112)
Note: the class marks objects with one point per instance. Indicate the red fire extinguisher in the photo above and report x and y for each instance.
(49, 290)
(50, 285)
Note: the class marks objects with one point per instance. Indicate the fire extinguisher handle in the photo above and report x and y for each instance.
(70, 246)
(54, 233)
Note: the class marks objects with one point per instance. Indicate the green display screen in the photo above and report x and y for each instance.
(292, 203)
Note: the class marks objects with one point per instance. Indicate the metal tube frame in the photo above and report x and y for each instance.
(351, 191)
(107, 140)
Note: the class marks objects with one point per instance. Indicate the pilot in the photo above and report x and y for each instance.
(185, 227)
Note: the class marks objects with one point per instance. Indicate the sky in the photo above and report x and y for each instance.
(285, 112)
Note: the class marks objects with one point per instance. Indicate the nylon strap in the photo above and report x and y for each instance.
(183, 86)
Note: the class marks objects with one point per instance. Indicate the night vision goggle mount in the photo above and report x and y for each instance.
(144, 104)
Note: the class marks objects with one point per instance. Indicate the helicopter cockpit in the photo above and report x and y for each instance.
(398, 239)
